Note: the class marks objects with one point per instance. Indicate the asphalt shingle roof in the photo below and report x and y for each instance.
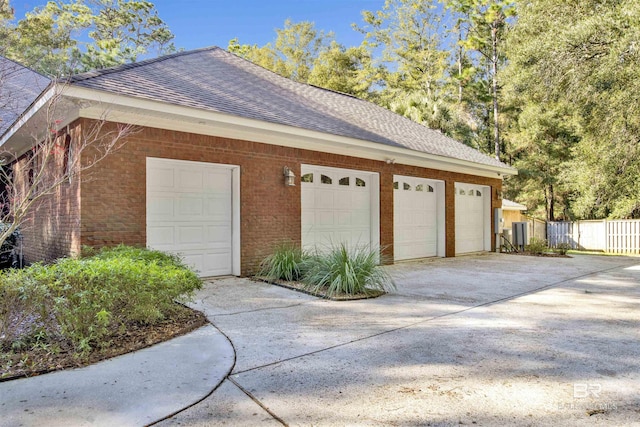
(212, 79)
(19, 87)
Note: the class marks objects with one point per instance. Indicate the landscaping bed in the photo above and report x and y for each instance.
(77, 311)
(38, 360)
(321, 293)
(338, 273)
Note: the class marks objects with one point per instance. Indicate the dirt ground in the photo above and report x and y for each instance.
(38, 360)
(479, 340)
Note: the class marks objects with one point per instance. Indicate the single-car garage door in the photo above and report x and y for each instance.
(339, 205)
(190, 212)
(473, 229)
(418, 218)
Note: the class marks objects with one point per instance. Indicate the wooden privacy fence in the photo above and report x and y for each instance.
(614, 236)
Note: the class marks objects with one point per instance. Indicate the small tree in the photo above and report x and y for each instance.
(49, 154)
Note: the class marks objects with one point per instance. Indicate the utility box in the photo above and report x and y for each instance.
(519, 235)
(497, 220)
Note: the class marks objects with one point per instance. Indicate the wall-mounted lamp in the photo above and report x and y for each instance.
(390, 161)
(289, 177)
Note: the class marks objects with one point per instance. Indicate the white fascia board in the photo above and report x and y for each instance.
(30, 113)
(155, 114)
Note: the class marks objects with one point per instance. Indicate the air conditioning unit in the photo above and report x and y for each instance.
(519, 233)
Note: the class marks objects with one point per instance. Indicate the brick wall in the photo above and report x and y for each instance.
(51, 228)
(113, 202)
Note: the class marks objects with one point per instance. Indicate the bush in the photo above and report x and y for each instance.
(536, 246)
(562, 248)
(83, 300)
(285, 263)
(345, 270)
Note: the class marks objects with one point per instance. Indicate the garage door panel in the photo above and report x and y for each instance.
(162, 177)
(216, 210)
(190, 206)
(161, 236)
(323, 199)
(189, 212)
(217, 183)
(470, 218)
(360, 200)
(324, 219)
(334, 208)
(343, 198)
(190, 235)
(160, 208)
(342, 219)
(415, 218)
(190, 180)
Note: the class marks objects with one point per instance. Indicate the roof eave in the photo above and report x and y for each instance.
(156, 114)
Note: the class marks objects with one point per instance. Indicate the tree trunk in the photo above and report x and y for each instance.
(494, 88)
(459, 66)
(550, 204)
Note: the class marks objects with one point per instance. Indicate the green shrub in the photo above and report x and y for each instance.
(562, 248)
(344, 270)
(84, 299)
(24, 303)
(285, 263)
(536, 246)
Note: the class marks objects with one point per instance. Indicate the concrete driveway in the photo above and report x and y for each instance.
(487, 340)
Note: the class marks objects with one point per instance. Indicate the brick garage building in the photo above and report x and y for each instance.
(204, 173)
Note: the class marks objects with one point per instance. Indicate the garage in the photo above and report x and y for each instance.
(473, 227)
(418, 218)
(339, 205)
(193, 210)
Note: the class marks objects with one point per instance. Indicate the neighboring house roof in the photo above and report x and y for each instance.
(212, 79)
(19, 88)
(508, 205)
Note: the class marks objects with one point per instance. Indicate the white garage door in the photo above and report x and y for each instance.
(415, 217)
(472, 218)
(189, 212)
(338, 205)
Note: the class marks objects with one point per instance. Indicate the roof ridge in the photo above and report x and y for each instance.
(128, 66)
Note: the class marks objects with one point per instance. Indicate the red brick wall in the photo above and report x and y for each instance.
(52, 227)
(113, 195)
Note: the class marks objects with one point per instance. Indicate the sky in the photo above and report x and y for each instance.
(201, 23)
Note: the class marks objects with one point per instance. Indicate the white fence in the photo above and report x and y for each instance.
(614, 236)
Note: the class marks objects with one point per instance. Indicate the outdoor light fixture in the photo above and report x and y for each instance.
(289, 177)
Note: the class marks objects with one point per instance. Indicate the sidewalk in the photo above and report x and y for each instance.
(134, 389)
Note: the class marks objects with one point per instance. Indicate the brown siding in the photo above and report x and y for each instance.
(114, 207)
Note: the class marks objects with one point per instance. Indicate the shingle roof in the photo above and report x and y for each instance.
(215, 80)
(19, 87)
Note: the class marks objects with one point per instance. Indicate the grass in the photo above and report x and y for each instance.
(285, 263)
(601, 253)
(345, 270)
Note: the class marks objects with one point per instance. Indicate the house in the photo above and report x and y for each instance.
(512, 212)
(515, 212)
(229, 159)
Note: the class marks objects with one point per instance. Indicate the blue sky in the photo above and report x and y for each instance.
(200, 23)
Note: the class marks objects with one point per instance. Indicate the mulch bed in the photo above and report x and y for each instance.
(544, 255)
(301, 287)
(38, 361)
